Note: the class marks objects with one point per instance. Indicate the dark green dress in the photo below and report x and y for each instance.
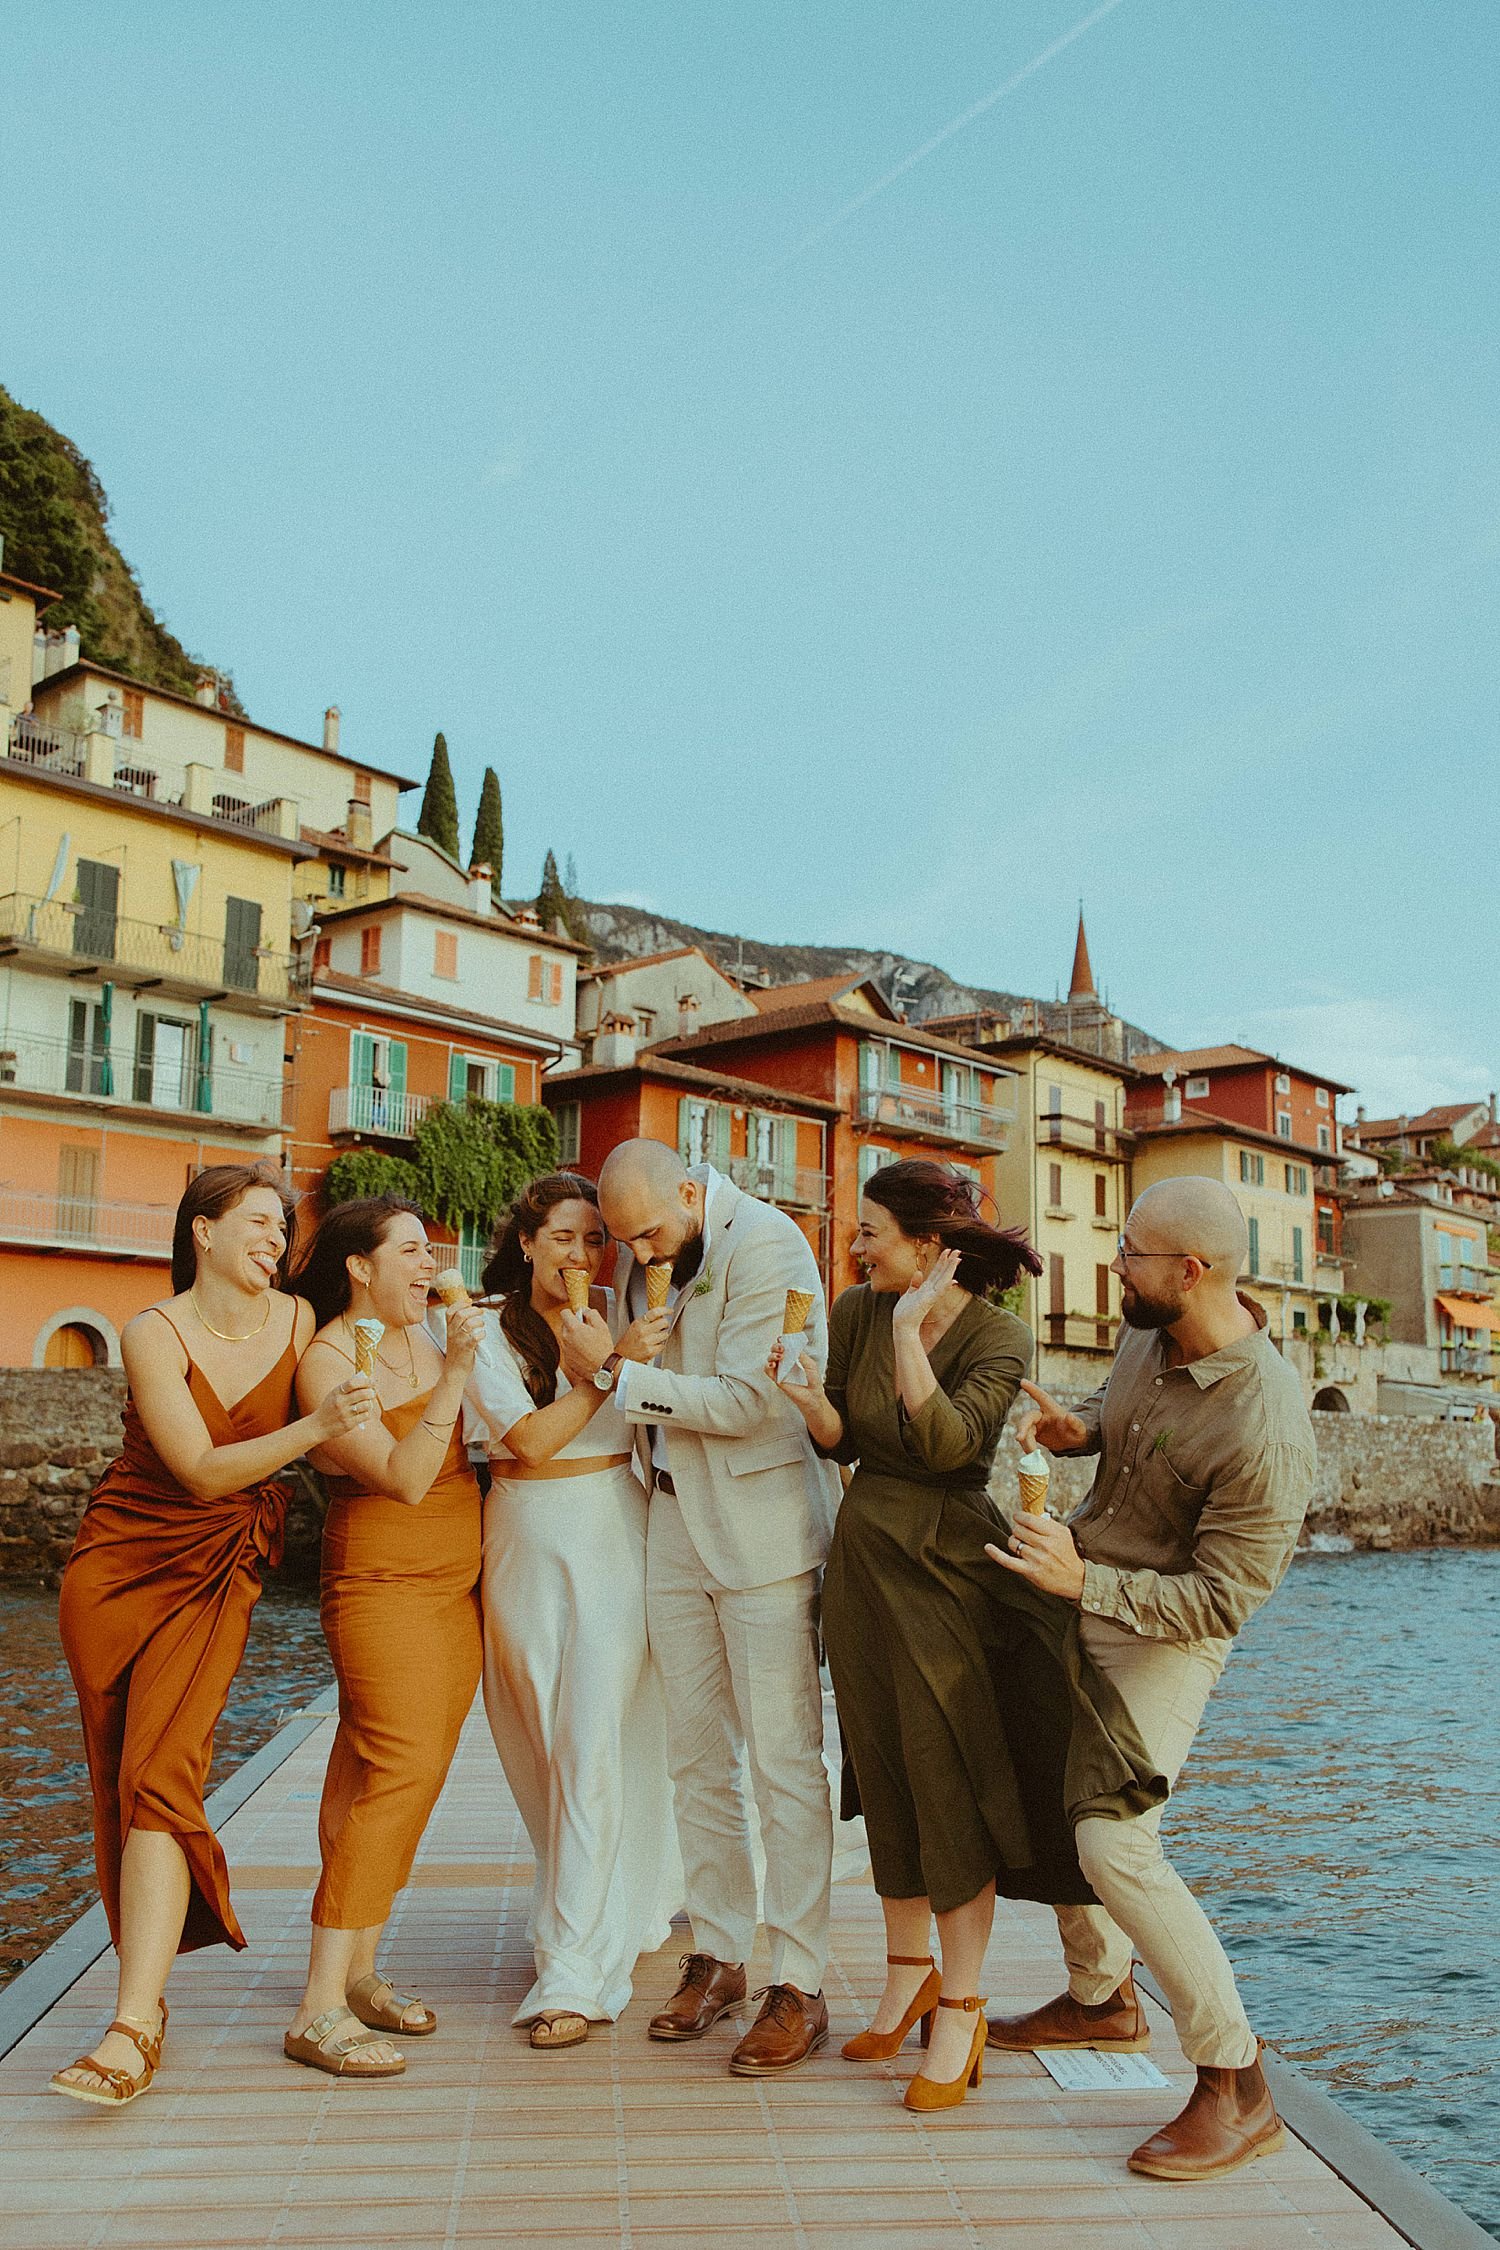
(977, 1730)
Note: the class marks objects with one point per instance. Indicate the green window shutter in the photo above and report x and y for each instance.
(1297, 1254)
(396, 1075)
(786, 1156)
(241, 937)
(505, 1082)
(361, 1059)
(688, 1113)
(145, 1055)
(720, 1142)
(458, 1077)
(1255, 1246)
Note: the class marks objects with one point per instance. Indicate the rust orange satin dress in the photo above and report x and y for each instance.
(401, 1617)
(154, 1615)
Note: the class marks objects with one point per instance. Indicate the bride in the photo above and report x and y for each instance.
(571, 1693)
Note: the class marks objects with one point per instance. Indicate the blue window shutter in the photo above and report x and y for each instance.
(458, 1077)
(505, 1082)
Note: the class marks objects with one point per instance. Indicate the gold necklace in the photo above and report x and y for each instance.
(412, 1378)
(227, 1335)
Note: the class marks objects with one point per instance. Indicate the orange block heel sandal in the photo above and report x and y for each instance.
(946, 2093)
(115, 2087)
(879, 2046)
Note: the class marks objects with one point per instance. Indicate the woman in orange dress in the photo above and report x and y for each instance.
(401, 1567)
(157, 1594)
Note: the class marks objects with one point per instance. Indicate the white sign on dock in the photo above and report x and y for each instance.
(1083, 2070)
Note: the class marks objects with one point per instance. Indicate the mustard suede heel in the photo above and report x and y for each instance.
(879, 2046)
(946, 2093)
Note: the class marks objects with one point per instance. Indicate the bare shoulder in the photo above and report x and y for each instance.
(152, 1338)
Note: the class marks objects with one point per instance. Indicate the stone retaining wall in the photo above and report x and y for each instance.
(1395, 1483)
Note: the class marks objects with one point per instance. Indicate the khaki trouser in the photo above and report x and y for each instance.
(1145, 1903)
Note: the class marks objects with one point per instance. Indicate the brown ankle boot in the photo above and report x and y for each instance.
(1117, 2025)
(1229, 2120)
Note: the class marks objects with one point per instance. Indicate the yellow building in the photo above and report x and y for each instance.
(1273, 1185)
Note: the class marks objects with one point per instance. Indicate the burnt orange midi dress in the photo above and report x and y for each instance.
(154, 1615)
(401, 1617)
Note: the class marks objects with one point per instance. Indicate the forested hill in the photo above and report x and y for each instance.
(54, 515)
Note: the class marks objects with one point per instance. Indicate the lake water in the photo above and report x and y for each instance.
(1339, 1818)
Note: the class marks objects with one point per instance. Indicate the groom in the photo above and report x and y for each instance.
(741, 1513)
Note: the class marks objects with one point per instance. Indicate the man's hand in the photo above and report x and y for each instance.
(1051, 1425)
(1042, 1552)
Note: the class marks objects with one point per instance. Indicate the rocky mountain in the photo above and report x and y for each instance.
(54, 518)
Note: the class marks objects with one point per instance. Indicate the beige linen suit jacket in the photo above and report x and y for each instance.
(757, 1501)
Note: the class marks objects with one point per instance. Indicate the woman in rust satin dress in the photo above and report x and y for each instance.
(157, 1594)
(401, 1567)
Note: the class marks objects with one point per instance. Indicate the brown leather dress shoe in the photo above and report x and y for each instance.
(707, 1989)
(791, 2026)
(1230, 2119)
(1117, 2025)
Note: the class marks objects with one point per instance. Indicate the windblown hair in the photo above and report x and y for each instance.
(508, 1276)
(931, 1199)
(215, 1191)
(350, 1230)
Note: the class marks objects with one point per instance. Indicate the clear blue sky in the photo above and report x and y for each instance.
(1108, 507)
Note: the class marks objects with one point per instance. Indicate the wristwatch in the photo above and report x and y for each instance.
(604, 1376)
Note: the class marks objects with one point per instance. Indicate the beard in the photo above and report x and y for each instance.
(688, 1259)
(1148, 1312)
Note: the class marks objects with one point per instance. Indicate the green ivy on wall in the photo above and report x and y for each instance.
(469, 1161)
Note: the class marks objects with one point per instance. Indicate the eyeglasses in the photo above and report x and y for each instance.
(1124, 1251)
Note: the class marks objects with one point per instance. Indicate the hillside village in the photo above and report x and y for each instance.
(224, 942)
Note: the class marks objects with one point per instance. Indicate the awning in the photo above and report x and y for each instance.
(1465, 1313)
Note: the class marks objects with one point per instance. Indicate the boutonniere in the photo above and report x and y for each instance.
(1163, 1441)
(705, 1282)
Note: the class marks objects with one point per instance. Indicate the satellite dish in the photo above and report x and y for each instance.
(302, 917)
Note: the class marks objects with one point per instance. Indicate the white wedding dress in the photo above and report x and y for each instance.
(573, 1698)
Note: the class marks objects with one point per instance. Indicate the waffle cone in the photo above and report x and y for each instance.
(449, 1287)
(367, 1335)
(1033, 1494)
(576, 1282)
(799, 1303)
(658, 1282)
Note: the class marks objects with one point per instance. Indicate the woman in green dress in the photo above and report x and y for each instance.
(975, 1732)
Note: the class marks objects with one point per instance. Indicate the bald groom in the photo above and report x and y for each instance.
(1206, 1467)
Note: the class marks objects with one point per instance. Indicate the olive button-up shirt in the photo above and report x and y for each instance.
(1205, 1475)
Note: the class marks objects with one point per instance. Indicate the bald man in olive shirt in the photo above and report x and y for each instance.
(1207, 1465)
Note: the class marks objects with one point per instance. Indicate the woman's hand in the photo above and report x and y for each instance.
(348, 1407)
(465, 1337)
(918, 1298)
(645, 1337)
(584, 1344)
(808, 1396)
(1049, 1424)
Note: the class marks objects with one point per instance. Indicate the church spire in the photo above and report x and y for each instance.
(1082, 985)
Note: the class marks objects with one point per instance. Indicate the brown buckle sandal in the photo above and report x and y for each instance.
(331, 2043)
(389, 2014)
(559, 2027)
(116, 2087)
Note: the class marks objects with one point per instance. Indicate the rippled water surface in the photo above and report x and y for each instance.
(1339, 1817)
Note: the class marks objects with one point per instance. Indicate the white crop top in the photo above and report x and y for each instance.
(496, 1398)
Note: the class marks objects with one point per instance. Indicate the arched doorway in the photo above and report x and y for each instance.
(1330, 1401)
(75, 1345)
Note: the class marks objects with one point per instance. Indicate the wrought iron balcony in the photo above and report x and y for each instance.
(61, 935)
(63, 1068)
(376, 1111)
(1108, 1143)
(75, 1222)
(50, 749)
(906, 1109)
(798, 1189)
(1079, 1332)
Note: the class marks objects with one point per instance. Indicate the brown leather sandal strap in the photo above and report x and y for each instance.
(968, 2005)
(910, 1960)
(146, 2045)
(118, 2081)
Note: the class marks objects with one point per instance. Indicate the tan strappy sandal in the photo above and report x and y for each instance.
(332, 2043)
(559, 2027)
(116, 2087)
(389, 2014)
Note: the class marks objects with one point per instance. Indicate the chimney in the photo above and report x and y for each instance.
(527, 918)
(206, 692)
(687, 1009)
(1171, 1100)
(614, 1049)
(331, 728)
(481, 893)
(1359, 1114)
(358, 826)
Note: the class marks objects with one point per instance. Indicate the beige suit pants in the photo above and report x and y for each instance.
(739, 1666)
(1145, 1903)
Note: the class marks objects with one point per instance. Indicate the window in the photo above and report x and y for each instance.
(1283, 1083)
(544, 981)
(569, 1117)
(1296, 1179)
(703, 1133)
(1325, 1138)
(134, 723)
(98, 905)
(369, 950)
(1283, 1124)
(1321, 1097)
(1299, 1322)
(479, 1078)
(1057, 1288)
(1101, 1291)
(1252, 1169)
(166, 1053)
(77, 1190)
(1196, 1089)
(1101, 1195)
(234, 749)
(377, 1079)
(1054, 1186)
(1298, 1256)
(336, 878)
(445, 953)
(361, 788)
(1254, 1225)
(242, 943)
(87, 1052)
(870, 1160)
(1325, 1228)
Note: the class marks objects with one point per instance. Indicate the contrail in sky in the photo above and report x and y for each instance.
(899, 171)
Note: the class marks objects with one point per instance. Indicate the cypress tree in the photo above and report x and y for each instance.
(438, 818)
(551, 899)
(489, 830)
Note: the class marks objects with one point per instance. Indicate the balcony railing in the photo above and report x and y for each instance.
(58, 932)
(52, 749)
(1080, 1134)
(1463, 1359)
(376, 1110)
(74, 1222)
(798, 1189)
(471, 1259)
(908, 1109)
(40, 1065)
(1078, 1332)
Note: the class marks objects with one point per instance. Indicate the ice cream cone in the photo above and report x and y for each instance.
(367, 1335)
(1034, 1474)
(576, 1282)
(799, 1303)
(658, 1282)
(450, 1288)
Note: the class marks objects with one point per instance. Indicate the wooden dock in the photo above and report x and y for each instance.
(619, 2141)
